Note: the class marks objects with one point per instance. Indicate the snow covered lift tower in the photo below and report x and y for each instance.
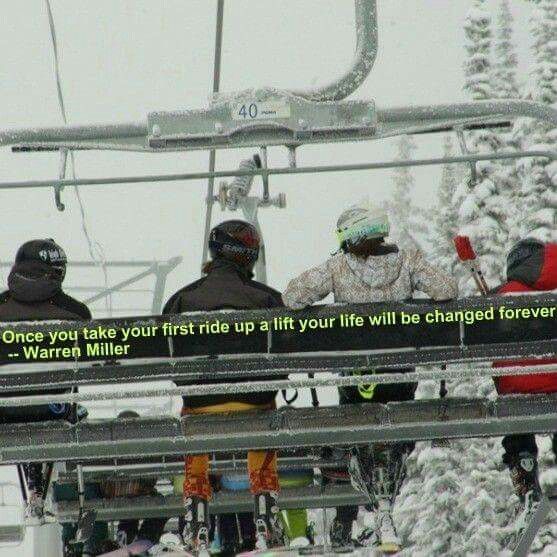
(264, 118)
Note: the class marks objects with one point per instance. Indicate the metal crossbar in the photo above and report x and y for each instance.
(221, 502)
(262, 386)
(286, 428)
(162, 470)
(277, 171)
(37, 377)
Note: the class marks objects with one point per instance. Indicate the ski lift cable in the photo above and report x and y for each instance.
(92, 245)
(212, 155)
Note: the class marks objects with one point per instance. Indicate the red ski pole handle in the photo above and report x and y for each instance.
(464, 248)
(467, 254)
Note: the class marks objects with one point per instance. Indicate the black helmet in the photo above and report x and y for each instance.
(525, 260)
(45, 251)
(235, 240)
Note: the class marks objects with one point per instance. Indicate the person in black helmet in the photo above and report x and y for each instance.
(35, 285)
(228, 284)
(35, 293)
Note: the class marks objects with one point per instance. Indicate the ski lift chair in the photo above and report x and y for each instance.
(271, 117)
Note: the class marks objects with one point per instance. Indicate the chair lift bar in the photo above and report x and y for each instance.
(222, 502)
(22, 402)
(278, 429)
(195, 129)
(551, 155)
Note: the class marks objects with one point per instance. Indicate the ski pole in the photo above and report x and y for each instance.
(467, 255)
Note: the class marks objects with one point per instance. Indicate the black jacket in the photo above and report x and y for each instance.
(226, 286)
(36, 294)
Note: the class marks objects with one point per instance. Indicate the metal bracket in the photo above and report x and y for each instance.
(465, 151)
(61, 176)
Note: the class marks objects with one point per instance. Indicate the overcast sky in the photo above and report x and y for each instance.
(121, 59)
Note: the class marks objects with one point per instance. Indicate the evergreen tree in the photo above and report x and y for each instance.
(483, 210)
(477, 28)
(444, 226)
(427, 513)
(505, 86)
(539, 178)
(504, 81)
(406, 219)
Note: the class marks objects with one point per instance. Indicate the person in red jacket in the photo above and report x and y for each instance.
(531, 267)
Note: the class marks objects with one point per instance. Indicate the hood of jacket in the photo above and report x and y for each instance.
(539, 271)
(32, 281)
(377, 271)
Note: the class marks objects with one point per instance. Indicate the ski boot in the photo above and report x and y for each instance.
(34, 510)
(387, 538)
(340, 534)
(168, 543)
(305, 541)
(268, 529)
(524, 476)
(196, 529)
(367, 538)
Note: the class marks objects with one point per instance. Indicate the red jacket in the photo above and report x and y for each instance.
(541, 278)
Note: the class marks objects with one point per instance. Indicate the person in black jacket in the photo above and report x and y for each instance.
(35, 293)
(228, 284)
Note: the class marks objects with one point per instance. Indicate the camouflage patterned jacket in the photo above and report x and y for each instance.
(392, 277)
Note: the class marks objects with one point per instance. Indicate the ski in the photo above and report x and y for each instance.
(530, 522)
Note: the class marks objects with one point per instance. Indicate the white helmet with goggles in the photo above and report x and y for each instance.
(361, 222)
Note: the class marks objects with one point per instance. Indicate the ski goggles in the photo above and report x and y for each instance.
(361, 231)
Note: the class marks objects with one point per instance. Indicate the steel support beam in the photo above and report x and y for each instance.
(280, 429)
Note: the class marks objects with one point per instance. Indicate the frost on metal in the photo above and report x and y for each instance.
(364, 57)
(266, 116)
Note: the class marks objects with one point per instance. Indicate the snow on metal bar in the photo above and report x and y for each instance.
(487, 110)
(84, 132)
(364, 57)
(36, 377)
(190, 130)
(277, 385)
(222, 502)
(280, 429)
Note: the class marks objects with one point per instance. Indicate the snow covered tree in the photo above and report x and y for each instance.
(427, 511)
(444, 225)
(539, 178)
(407, 224)
(483, 207)
(505, 86)
(477, 28)
(504, 82)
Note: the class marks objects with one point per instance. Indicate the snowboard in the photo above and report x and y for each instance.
(138, 547)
